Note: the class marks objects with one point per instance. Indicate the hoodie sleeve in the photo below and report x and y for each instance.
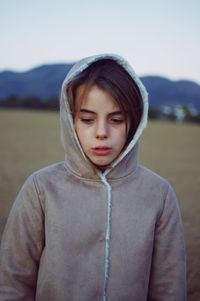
(168, 272)
(21, 246)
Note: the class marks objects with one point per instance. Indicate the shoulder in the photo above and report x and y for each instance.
(156, 187)
(30, 197)
(53, 173)
(50, 170)
(50, 173)
(35, 186)
(152, 178)
(158, 190)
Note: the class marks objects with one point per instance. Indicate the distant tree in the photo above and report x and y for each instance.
(30, 102)
(154, 113)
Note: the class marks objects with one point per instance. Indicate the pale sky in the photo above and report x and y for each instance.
(157, 37)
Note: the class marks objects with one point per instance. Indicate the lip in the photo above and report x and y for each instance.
(101, 150)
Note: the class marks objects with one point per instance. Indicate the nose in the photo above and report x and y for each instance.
(102, 130)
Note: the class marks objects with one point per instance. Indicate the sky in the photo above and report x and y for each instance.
(156, 37)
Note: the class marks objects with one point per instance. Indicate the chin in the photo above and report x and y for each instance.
(102, 166)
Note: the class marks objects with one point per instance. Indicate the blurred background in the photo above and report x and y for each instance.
(157, 37)
(42, 39)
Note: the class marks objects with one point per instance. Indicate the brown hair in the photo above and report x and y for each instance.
(111, 77)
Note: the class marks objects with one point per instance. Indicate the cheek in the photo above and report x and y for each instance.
(122, 137)
(122, 133)
(81, 133)
(77, 129)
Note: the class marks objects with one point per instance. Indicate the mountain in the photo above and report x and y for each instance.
(45, 82)
(163, 91)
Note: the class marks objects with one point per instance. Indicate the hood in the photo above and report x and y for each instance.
(75, 158)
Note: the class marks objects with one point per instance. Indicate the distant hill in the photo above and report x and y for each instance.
(163, 91)
(45, 82)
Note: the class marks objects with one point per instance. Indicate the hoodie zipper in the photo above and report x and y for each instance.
(108, 236)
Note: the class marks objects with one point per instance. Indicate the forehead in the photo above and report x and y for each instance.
(95, 98)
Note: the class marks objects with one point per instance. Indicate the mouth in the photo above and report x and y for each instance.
(101, 150)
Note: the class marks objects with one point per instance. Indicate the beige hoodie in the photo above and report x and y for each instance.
(76, 234)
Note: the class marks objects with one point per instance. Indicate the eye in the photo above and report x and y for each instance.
(117, 120)
(86, 120)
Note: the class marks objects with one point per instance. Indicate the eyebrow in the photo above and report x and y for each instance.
(110, 114)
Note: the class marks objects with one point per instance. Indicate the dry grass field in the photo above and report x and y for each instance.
(30, 140)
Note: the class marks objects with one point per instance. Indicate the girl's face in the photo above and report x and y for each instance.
(100, 126)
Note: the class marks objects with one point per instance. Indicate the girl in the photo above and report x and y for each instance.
(97, 226)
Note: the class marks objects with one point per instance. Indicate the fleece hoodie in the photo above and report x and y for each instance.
(77, 234)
